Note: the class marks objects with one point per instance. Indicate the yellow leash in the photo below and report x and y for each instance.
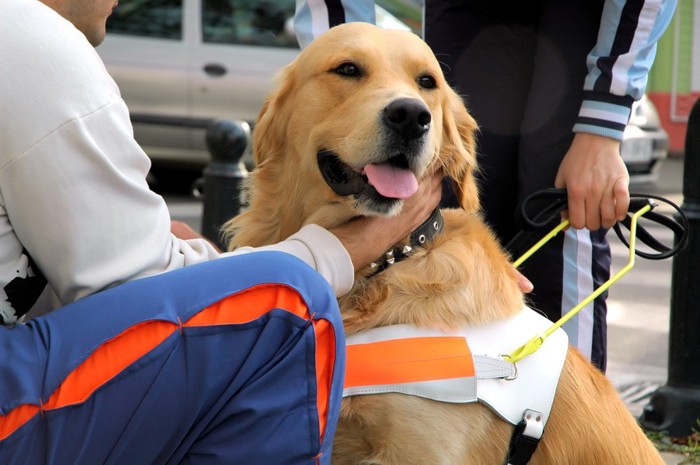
(536, 342)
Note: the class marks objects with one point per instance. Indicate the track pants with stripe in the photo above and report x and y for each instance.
(520, 67)
(235, 361)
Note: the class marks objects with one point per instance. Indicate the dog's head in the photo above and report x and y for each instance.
(361, 115)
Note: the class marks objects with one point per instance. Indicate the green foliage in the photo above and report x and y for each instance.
(688, 446)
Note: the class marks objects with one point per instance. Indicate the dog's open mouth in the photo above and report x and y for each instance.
(391, 179)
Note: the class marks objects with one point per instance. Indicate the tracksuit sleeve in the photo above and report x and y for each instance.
(313, 18)
(618, 66)
(320, 249)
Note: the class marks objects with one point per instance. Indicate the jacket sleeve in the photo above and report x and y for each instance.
(90, 221)
(313, 18)
(618, 65)
(321, 250)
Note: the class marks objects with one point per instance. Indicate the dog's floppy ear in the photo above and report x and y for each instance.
(458, 150)
(271, 123)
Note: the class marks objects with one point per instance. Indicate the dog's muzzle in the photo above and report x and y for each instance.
(391, 180)
(340, 177)
(401, 151)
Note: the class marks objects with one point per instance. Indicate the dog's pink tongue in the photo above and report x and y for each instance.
(392, 182)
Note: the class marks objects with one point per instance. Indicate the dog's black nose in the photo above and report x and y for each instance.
(410, 118)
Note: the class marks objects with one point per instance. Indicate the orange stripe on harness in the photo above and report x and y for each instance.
(408, 360)
(116, 354)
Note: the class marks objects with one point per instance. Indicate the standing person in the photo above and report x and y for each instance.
(550, 84)
(234, 360)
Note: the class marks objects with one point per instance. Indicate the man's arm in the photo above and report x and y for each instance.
(619, 64)
(593, 171)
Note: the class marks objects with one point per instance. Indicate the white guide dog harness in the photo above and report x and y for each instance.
(465, 366)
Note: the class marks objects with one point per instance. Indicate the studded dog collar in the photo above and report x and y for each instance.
(422, 235)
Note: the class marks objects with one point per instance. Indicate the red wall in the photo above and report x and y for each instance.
(676, 130)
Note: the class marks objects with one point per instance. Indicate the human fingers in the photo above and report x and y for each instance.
(182, 230)
(576, 211)
(366, 238)
(622, 198)
(418, 207)
(614, 203)
(524, 284)
(607, 211)
(429, 190)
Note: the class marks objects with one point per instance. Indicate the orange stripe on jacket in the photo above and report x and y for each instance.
(112, 357)
(408, 360)
(16, 418)
(248, 306)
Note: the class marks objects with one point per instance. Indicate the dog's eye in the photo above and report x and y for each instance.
(348, 69)
(427, 82)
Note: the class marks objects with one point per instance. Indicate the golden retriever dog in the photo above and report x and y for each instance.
(357, 118)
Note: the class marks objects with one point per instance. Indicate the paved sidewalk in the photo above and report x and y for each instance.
(671, 458)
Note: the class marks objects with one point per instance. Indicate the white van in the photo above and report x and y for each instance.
(181, 64)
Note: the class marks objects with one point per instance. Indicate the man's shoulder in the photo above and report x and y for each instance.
(51, 74)
(34, 34)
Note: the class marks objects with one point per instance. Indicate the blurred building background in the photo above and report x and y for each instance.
(674, 80)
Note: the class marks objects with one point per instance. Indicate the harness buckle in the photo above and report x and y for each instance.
(525, 438)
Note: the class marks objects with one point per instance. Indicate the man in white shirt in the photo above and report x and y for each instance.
(162, 369)
(73, 194)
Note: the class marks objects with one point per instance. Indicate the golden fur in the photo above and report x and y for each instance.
(461, 278)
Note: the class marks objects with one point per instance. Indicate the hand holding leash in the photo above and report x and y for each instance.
(596, 179)
(641, 205)
(543, 209)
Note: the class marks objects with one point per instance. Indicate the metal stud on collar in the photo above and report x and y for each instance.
(419, 237)
(389, 259)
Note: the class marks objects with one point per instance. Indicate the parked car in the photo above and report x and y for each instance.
(645, 143)
(181, 64)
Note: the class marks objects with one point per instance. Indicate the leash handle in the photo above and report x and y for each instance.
(536, 342)
(542, 208)
(560, 227)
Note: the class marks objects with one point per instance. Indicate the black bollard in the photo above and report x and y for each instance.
(675, 407)
(223, 177)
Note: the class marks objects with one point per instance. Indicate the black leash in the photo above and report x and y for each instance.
(543, 208)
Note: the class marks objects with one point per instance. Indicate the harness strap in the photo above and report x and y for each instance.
(397, 358)
(525, 438)
(420, 362)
